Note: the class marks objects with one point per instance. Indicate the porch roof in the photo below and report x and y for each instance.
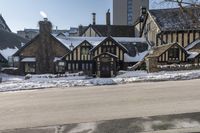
(29, 59)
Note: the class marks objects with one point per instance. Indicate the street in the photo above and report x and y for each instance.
(54, 106)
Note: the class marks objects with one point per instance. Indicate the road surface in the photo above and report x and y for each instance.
(86, 104)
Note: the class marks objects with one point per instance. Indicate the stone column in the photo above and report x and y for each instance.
(151, 63)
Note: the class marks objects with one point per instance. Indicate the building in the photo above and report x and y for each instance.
(9, 43)
(102, 56)
(40, 53)
(173, 35)
(163, 26)
(31, 33)
(126, 12)
(97, 30)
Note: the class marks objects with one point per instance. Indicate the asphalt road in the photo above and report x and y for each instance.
(86, 104)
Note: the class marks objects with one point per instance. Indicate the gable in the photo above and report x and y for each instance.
(111, 46)
(80, 53)
(177, 50)
(35, 46)
(90, 32)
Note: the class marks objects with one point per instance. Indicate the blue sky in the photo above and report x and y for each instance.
(20, 14)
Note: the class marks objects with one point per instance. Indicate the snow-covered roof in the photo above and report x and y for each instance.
(8, 52)
(175, 19)
(137, 47)
(75, 41)
(10, 43)
(29, 59)
(192, 44)
(129, 39)
(192, 55)
(139, 57)
(56, 59)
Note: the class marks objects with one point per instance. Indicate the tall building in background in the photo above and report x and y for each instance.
(125, 12)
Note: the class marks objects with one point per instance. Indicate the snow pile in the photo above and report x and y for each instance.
(13, 83)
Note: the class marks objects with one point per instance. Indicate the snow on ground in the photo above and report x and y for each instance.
(14, 83)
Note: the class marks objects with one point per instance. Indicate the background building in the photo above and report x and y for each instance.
(31, 33)
(125, 12)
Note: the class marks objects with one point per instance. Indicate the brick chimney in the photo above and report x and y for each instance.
(94, 18)
(80, 30)
(108, 17)
(45, 26)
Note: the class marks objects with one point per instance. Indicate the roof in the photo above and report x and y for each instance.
(193, 55)
(137, 48)
(112, 30)
(35, 38)
(3, 24)
(174, 18)
(125, 42)
(29, 59)
(158, 51)
(137, 58)
(194, 47)
(10, 43)
(75, 41)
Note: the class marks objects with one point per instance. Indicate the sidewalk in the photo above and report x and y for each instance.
(185, 130)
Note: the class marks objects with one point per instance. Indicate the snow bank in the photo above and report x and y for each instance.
(14, 83)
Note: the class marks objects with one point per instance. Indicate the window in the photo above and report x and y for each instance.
(61, 63)
(69, 66)
(83, 66)
(85, 50)
(174, 53)
(10, 61)
(30, 68)
(86, 66)
(130, 12)
(110, 49)
(76, 66)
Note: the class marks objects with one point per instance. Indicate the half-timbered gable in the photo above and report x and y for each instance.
(80, 58)
(169, 54)
(111, 46)
(164, 26)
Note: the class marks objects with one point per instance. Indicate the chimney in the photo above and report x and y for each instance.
(94, 18)
(143, 11)
(80, 30)
(108, 17)
(45, 26)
